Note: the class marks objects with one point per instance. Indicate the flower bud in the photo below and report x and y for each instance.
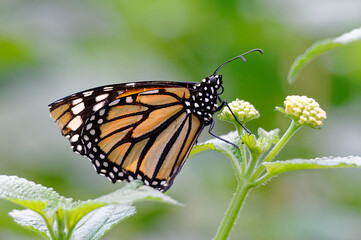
(305, 111)
(244, 111)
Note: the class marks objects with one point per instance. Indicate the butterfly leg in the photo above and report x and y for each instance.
(224, 102)
(214, 135)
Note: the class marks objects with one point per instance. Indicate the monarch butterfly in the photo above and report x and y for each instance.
(142, 130)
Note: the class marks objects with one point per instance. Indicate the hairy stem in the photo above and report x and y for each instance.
(232, 211)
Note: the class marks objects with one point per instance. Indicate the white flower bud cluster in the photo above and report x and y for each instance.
(243, 110)
(304, 110)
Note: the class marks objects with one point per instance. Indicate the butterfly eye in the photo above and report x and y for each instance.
(213, 80)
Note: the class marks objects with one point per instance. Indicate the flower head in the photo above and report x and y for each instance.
(244, 111)
(305, 111)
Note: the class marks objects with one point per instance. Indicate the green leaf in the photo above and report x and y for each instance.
(28, 194)
(120, 200)
(217, 144)
(274, 168)
(263, 142)
(95, 224)
(133, 192)
(201, 147)
(32, 221)
(319, 48)
(80, 209)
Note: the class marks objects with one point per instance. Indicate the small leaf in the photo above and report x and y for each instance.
(130, 193)
(319, 48)
(79, 210)
(264, 141)
(250, 141)
(201, 147)
(31, 220)
(274, 168)
(133, 192)
(95, 224)
(217, 144)
(28, 194)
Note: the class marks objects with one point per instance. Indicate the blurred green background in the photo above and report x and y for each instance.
(50, 49)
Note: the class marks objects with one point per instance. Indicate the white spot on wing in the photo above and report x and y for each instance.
(98, 106)
(115, 102)
(76, 101)
(151, 92)
(101, 112)
(78, 108)
(107, 89)
(89, 126)
(87, 94)
(101, 97)
(74, 138)
(75, 123)
(129, 99)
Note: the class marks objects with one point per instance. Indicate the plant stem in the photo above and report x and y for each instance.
(275, 150)
(49, 225)
(252, 164)
(243, 159)
(232, 211)
(242, 149)
(236, 166)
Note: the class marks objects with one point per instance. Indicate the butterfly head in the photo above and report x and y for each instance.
(215, 81)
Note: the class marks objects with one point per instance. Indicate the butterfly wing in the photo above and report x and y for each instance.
(71, 112)
(134, 131)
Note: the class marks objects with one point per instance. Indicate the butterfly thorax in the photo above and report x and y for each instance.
(203, 102)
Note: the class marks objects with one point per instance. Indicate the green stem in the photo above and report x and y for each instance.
(232, 212)
(263, 179)
(275, 150)
(69, 234)
(49, 225)
(60, 227)
(236, 166)
(251, 166)
(243, 159)
(242, 150)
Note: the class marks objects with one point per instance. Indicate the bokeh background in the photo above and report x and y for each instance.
(50, 49)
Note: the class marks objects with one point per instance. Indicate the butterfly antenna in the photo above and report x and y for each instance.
(240, 56)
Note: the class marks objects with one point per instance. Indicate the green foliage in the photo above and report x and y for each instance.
(319, 48)
(277, 167)
(56, 217)
(253, 168)
(263, 142)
